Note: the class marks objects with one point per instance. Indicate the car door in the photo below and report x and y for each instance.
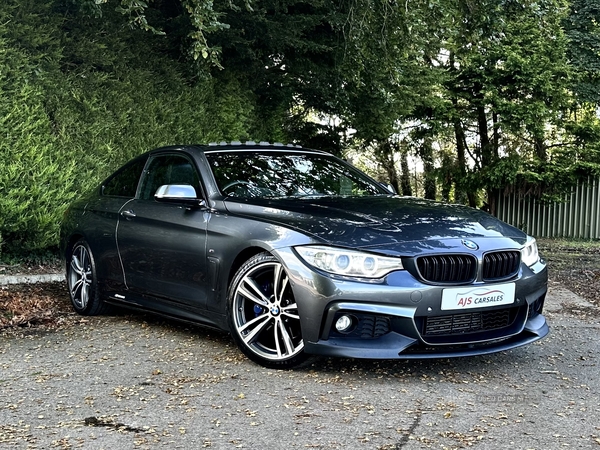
(163, 244)
(100, 221)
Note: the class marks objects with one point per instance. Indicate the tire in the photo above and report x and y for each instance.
(263, 315)
(82, 281)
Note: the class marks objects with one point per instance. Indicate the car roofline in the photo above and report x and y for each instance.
(215, 147)
(264, 149)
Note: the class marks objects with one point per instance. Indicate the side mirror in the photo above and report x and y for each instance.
(178, 193)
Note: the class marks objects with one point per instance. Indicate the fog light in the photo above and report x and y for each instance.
(343, 324)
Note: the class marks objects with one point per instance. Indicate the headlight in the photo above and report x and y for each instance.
(349, 262)
(529, 253)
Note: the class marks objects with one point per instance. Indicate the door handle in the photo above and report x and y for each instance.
(129, 214)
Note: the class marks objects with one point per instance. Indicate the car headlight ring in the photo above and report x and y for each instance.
(350, 263)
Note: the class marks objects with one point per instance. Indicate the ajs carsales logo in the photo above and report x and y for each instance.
(479, 297)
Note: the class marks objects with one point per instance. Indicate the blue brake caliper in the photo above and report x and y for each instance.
(258, 310)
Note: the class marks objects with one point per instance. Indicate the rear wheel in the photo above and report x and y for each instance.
(82, 281)
(263, 314)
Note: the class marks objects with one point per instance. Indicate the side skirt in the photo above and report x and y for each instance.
(165, 309)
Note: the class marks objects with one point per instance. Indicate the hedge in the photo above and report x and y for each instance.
(81, 96)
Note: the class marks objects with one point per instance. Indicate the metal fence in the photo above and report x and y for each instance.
(577, 217)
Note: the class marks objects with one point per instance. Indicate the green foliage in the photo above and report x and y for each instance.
(202, 19)
(583, 31)
(484, 93)
(491, 78)
(81, 95)
(386, 66)
(35, 180)
(284, 51)
(50, 259)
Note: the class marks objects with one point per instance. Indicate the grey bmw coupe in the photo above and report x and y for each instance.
(295, 252)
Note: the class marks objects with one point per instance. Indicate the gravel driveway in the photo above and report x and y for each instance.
(135, 382)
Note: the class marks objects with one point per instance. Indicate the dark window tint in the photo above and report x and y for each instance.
(168, 169)
(248, 174)
(124, 183)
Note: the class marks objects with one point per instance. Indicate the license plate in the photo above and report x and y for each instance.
(478, 297)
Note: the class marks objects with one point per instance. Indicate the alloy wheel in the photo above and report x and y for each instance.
(80, 277)
(265, 314)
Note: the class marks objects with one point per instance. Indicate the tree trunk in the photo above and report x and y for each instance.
(384, 153)
(484, 138)
(447, 166)
(496, 126)
(488, 155)
(405, 175)
(429, 182)
(491, 201)
(462, 194)
(540, 148)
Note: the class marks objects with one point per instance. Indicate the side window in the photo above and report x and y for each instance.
(168, 169)
(124, 183)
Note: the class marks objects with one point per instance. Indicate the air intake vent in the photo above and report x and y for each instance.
(447, 268)
(468, 322)
(501, 265)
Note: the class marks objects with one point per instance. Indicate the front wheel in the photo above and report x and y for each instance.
(263, 315)
(82, 282)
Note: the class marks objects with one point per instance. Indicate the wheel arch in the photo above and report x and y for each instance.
(75, 237)
(241, 258)
(226, 276)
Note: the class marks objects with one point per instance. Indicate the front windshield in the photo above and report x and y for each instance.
(248, 174)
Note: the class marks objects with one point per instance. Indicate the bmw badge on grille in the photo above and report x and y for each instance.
(470, 244)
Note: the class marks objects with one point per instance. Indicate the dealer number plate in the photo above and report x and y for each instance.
(478, 297)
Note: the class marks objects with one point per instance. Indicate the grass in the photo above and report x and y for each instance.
(564, 254)
(581, 244)
(575, 264)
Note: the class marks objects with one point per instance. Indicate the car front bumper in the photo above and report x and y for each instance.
(401, 318)
(394, 345)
